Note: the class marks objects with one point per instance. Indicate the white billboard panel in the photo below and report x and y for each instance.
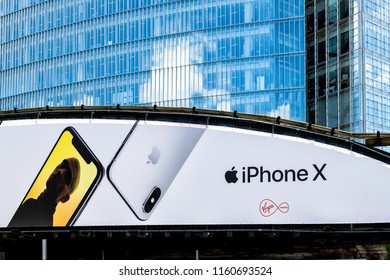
(114, 173)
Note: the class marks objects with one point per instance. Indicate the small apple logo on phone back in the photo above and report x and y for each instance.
(154, 156)
(231, 175)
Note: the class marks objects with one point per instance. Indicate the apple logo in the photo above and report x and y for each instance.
(231, 176)
(154, 156)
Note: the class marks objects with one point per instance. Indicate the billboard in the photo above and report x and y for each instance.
(73, 172)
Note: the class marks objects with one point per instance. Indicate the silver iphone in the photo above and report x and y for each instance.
(148, 160)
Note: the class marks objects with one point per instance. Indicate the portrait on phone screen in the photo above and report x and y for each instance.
(62, 187)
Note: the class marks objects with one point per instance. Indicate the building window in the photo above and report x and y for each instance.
(345, 77)
(321, 85)
(332, 48)
(344, 42)
(321, 52)
(321, 20)
(332, 12)
(344, 9)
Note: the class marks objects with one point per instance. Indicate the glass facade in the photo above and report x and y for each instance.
(239, 55)
(348, 64)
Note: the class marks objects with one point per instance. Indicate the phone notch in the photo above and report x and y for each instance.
(152, 199)
(82, 149)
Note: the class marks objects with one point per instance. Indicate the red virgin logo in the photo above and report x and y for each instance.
(268, 207)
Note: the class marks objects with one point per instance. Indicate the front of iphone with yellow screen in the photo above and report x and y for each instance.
(63, 185)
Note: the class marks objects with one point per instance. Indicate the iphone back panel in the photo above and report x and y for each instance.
(148, 160)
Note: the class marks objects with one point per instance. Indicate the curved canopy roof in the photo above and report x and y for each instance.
(359, 142)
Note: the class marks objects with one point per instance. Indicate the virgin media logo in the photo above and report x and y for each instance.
(268, 207)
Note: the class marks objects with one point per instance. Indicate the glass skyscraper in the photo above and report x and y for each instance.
(348, 64)
(239, 55)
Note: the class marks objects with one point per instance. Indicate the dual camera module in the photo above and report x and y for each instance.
(152, 200)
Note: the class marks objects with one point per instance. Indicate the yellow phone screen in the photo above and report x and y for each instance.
(88, 172)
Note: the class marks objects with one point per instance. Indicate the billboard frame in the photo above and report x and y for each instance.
(226, 119)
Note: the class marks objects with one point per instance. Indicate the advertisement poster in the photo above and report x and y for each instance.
(73, 172)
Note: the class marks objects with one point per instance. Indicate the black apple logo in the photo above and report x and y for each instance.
(231, 176)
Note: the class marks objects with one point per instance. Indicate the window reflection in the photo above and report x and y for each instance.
(241, 55)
